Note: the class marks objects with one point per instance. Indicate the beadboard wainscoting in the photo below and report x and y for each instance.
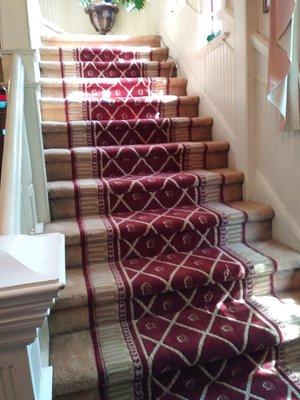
(274, 175)
(277, 163)
(210, 69)
(70, 16)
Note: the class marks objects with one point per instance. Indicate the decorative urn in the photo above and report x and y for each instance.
(102, 16)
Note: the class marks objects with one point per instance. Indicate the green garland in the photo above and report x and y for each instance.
(136, 4)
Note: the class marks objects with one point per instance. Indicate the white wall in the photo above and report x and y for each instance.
(210, 70)
(275, 178)
(70, 16)
(263, 20)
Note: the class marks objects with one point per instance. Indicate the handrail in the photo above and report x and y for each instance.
(218, 41)
(11, 175)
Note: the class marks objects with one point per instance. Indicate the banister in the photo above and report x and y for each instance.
(10, 193)
(218, 41)
(32, 267)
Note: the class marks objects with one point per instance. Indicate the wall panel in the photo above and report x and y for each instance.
(69, 16)
(276, 176)
(277, 161)
(209, 69)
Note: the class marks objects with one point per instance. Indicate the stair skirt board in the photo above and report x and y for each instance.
(172, 277)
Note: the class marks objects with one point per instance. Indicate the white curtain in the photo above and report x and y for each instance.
(283, 76)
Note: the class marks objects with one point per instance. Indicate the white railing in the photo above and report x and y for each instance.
(17, 200)
(32, 267)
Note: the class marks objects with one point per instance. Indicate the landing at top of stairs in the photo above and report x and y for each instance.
(96, 40)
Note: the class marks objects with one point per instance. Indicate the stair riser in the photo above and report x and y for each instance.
(75, 70)
(254, 231)
(92, 394)
(177, 87)
(69, 54)
(60, 171)
(78, 111)
(68, 320)
(57, 136)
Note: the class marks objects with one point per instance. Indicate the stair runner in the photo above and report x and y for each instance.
(171, 277)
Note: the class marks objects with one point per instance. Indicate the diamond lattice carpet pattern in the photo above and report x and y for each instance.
(170, 294)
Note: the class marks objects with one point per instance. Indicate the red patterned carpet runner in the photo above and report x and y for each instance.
(128, 132)
(111, 54)
(184, 296)
(123, 109)
(122, 88)
(126, 69)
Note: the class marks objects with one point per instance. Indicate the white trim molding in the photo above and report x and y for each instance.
(218, 41)
(260, 44)
(275, 155)
(196, 5)
(21, 39)
(226, 16)
(285, 228)
(32, 273)
(195, 87)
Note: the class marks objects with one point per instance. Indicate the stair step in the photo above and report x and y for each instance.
(111, 88)
(257, 228)
(72, 355)
(113, 161)
(71, 312)
(110, 133)
(127, 69)
(103, 54)
(135, 193)
(288, 264)
(120, 109)
(66, 39)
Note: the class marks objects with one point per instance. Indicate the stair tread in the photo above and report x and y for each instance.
(102, 53)
(286, 258)
(89, 40)
(78, 81)
(61, 189)
(52, 64)
(165, 98)
(126, 69)
(74, 362)
(251, 208)
(58, 155)
(99, 47)
(109, 88)
(49, 125)
(75, 294)
(108, 133)
(69, 227)
(119, 109)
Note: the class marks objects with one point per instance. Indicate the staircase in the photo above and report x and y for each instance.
(171, 275)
